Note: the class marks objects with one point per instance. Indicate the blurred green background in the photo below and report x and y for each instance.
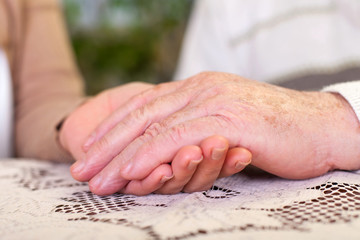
(119, 41)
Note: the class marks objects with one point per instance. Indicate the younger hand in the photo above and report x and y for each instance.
(194, 169)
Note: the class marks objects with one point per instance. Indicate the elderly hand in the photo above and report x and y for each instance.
(291, 134)
(188, 163)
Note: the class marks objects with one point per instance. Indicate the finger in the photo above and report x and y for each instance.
(236, 160)
(114, 103)
(154, 181)
(162, 148)
(134, 103)
(134, 125)
(101, 185)
(183, 166)
(109, 146)
(214, 150)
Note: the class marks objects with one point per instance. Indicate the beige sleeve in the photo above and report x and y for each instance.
(47, 83)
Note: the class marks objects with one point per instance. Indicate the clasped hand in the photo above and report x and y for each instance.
(289, 133)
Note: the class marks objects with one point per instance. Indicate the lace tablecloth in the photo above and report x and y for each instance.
(40, 200)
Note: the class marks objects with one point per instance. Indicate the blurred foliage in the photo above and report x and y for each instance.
(144, 48)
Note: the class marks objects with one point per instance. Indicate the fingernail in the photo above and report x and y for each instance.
(217, 153)
(192, 164)
(78, 167)
(166, 178)
(89, 141)
(241, 164)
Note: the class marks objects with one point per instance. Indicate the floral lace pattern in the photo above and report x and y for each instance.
(42, 200)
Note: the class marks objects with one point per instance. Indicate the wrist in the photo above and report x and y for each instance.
(61, 135)
(67, 130)
(343, 130)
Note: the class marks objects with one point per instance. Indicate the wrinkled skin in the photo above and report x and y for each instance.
(193, 169)
(291, 134)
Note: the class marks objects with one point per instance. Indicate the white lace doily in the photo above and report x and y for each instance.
(40, 200)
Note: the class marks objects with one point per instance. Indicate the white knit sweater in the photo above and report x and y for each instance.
(275, 41)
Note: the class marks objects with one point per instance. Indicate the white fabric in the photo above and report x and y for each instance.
(275, 40)
(350, 91)
(271, 40)
(6, 108)
(40, 200)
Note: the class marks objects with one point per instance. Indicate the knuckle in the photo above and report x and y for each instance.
(153, 130)
(138, 116)
(102, 145)
(140, 99)
(159, 87)
(149, 94)
(221, 120)
(177, 133)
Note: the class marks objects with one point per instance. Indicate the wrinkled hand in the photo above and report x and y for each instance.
(188, 164)
(291, 134)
